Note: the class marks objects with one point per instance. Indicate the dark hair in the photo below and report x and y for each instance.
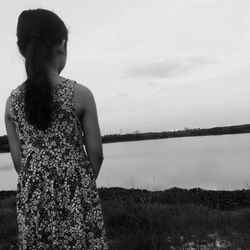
(38, 30)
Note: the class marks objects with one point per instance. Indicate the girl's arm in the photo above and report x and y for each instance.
(91, 129)
(14, 143)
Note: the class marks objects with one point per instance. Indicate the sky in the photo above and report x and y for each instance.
(152, 65)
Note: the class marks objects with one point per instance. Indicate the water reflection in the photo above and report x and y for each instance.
(209, 162)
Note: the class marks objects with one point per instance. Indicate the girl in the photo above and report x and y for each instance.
(48, 121)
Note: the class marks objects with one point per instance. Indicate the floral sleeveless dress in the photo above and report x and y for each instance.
(58, 206)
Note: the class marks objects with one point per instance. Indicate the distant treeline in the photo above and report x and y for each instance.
(245, 128)
(224, 200)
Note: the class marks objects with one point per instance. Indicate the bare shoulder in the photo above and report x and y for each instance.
(83, 93)
(84, 97)
(82, 90)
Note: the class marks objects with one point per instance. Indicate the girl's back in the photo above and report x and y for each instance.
(57, 199)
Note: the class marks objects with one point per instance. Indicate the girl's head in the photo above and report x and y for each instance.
(41, 39)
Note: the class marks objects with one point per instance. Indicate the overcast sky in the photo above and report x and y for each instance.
(153, 65)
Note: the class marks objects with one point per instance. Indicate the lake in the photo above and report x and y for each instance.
(210, 162)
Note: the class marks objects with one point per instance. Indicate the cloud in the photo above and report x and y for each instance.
(170, 68)
(122, 95)
(202, 60)
(151, 83)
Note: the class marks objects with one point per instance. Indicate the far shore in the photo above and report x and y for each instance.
(137, 136)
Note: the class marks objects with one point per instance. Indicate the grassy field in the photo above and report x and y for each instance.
(148, 223)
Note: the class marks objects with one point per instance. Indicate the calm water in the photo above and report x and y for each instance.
(209, 162)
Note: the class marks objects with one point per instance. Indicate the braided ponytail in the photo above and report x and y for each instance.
(37, 91)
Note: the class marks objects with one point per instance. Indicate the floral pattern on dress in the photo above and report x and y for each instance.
(58, 205)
